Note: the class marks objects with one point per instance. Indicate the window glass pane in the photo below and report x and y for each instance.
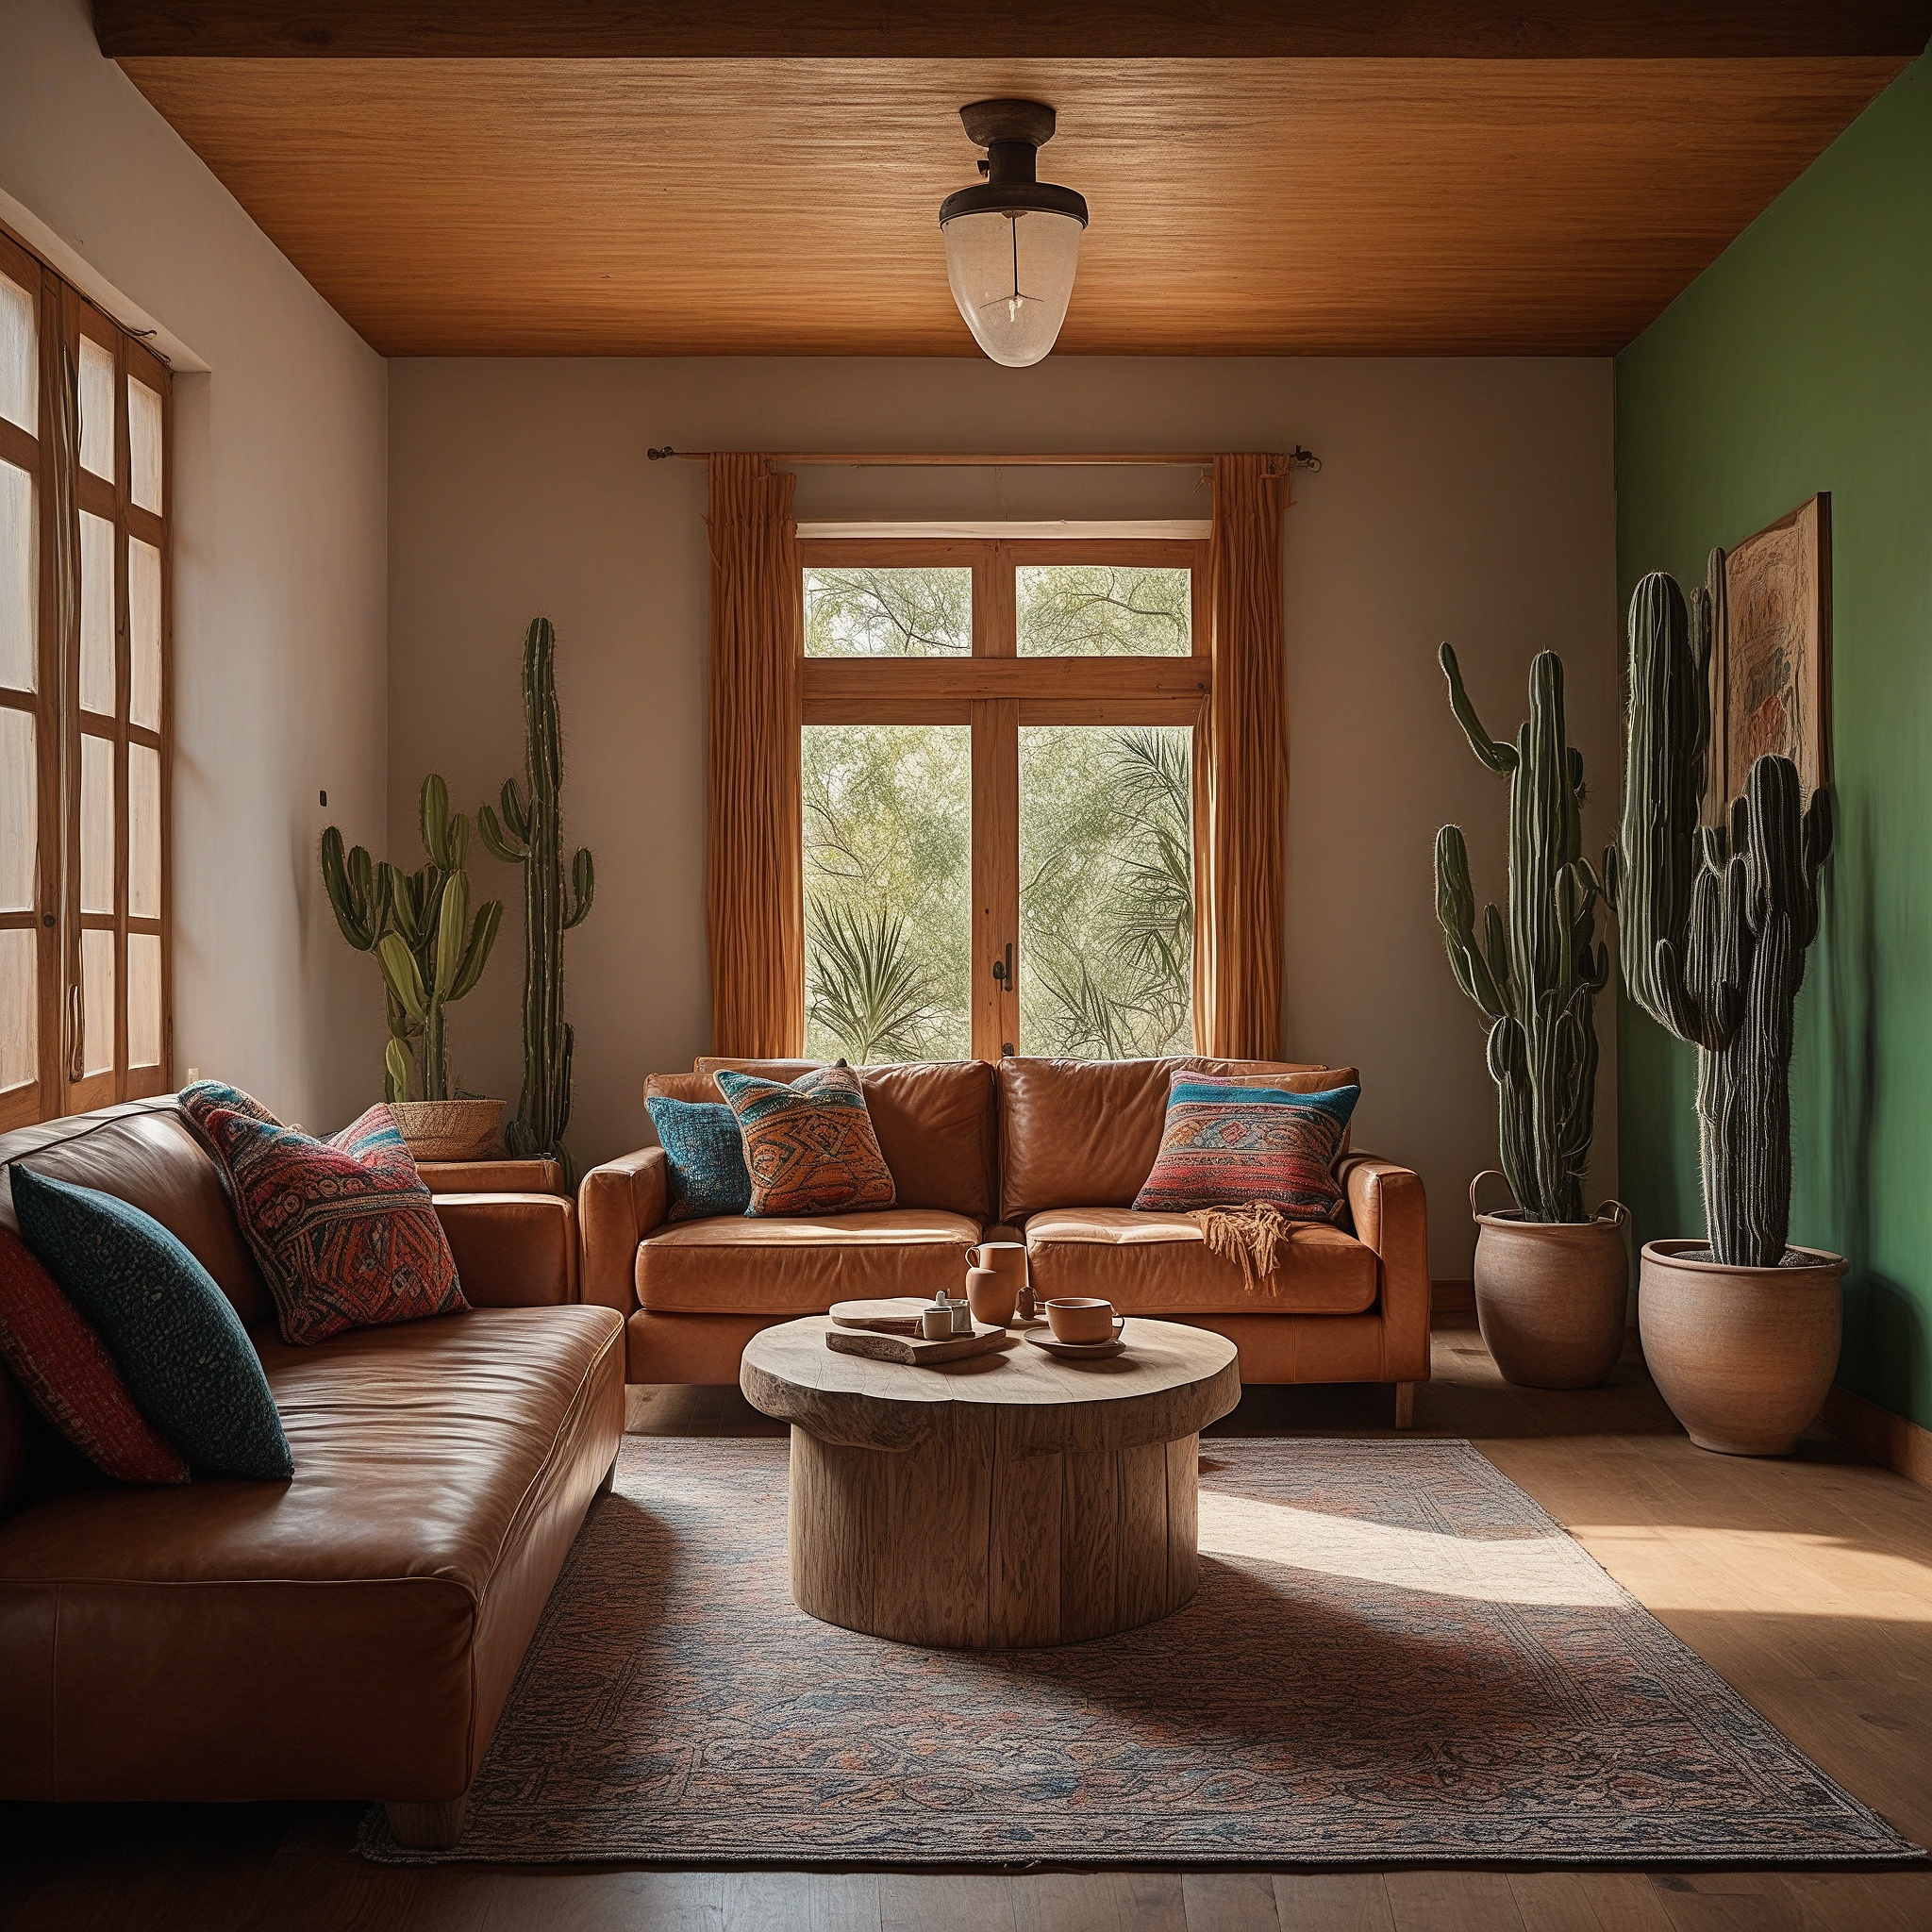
(19, 814)
(96, 408)
(97, 1003)
(922, 612)
(144, 831)
(144, 633)
(20, 388)
(143, 999)
(96, 614)
(144, 445)
(1106, 890)
(96, 824)
(888, 892)
(19, 579)
(19, 1009)
(1103, 610)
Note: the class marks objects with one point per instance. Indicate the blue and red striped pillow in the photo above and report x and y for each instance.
(1227, 1146)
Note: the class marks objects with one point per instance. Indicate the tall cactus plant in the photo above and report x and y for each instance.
(530, 834)
(1537, 975)
(1716, 920)
(418, 926)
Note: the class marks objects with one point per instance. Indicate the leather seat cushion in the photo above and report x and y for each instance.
(933, 1119)
(350, 1632)
(1160, 1264)
(1084, 1133)
(800, 1265)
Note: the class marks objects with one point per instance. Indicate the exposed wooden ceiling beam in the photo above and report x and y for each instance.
(1098, 29)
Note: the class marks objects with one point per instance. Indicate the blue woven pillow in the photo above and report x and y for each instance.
(180, 1347)
(704, 1155)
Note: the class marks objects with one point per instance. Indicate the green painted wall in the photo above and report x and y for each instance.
(1801, 361)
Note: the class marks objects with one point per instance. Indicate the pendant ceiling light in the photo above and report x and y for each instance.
(1013, 243)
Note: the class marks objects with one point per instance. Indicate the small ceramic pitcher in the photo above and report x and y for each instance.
(993, 1295)
(1008, 1259)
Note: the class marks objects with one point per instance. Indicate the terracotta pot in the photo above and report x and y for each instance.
(1743, 1356)
(1550, 1295)
(449, 1129)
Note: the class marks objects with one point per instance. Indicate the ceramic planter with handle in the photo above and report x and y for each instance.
(1550, 1295)
(1743, 1356)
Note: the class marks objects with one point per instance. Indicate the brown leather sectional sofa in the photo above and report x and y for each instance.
(353, 1633)
(1054, 1149)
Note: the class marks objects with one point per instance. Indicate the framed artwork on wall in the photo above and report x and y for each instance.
(1770, 659)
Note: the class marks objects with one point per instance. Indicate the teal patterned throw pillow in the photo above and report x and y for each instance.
(704, 1156)
(180, 1347)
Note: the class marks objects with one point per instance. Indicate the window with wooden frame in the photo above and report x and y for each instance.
(85, 722)
(999, 784)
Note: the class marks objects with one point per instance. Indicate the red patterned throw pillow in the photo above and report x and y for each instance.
(343, 1230)
(1227, 1146)
(69, 1376)
(809, 1147)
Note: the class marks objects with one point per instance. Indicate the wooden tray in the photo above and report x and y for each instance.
(897, 1316)
(915, 1351)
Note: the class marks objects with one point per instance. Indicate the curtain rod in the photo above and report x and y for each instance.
(1299, 459)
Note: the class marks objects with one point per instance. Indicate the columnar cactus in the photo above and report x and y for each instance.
(1536, 978)
(419, 927)
(1716, 920)
(530, 835)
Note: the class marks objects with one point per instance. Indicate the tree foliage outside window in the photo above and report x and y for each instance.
(1103, 610)
(1106, 890)
(924, 612)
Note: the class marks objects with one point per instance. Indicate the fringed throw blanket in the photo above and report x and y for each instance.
(1253, 1235)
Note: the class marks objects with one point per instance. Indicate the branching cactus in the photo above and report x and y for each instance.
(1716, 920)
(1537, 975)
(418, 926)
(530, 834)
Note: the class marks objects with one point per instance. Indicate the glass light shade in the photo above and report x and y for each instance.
(1013, 276)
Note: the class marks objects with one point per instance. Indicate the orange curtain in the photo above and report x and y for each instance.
(754, 867)
(1241, 784)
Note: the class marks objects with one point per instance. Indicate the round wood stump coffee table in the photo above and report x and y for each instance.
(1008, 1499)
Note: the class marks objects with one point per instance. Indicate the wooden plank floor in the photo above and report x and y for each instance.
(1806, 1583)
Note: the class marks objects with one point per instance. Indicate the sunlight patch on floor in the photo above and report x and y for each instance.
(1535, 1569)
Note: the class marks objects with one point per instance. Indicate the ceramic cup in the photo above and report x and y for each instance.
(1079, 1318)
(936, 1324)
(992, 1295)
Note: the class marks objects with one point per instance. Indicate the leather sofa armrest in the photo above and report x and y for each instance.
(512, 1251)
(618, 1205)
(1391, 1216)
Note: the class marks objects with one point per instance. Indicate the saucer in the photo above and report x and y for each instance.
(1082, 1351)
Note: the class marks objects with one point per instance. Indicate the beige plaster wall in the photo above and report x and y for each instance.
(1464, 499)
(280, 564)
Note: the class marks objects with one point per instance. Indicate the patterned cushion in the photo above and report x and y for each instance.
(705, 1169)
(809, 1147)
(1227, 1146)
(180, 1348)
(344, 1230)
(71, 1378)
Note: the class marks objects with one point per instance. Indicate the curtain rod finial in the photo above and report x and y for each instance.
(658, 455)
(1300, 458)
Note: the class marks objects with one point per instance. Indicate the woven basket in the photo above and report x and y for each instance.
(450, 1129)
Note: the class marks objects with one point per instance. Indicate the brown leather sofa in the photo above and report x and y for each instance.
(1054, 1149)
(353, 1633)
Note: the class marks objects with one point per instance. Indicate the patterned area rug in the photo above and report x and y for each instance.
(1394, 1656)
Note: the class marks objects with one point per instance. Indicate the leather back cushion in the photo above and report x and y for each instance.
(150, 1158)
(1084, 1133)
(934, 1120)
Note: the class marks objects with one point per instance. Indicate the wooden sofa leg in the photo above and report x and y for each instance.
(428, 1827)
(1404, 1405)
(609, 1482)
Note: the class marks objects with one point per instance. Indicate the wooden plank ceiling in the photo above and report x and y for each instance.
(598, 178)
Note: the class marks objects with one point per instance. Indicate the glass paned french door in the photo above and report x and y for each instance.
(997, 808)
(84, 648)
